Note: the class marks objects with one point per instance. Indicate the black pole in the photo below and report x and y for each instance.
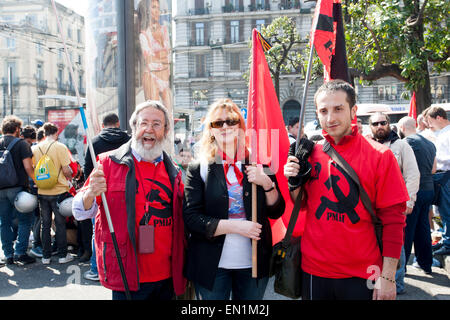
(93, 158)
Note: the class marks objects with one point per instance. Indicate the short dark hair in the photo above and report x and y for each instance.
(379, 114)
(29, 132)
(337, 85)
(434, 112)
(40, 134)
(50, 129)
(293, 121)
(110, 119)
(10, 124)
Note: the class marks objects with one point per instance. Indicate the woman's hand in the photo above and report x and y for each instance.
(256, 175)
(245, 228)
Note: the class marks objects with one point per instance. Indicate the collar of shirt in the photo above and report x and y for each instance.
(139, 158)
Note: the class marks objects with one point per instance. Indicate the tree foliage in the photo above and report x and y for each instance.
(403, 39)
(288, 52)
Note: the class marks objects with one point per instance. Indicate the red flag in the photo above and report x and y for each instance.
(266, 131)
(413, 107)
(327, 36)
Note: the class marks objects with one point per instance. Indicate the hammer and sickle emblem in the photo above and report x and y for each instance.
(345, 204)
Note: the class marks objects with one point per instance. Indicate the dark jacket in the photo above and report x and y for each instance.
(204, 205)
(119, 169)
(108, 139)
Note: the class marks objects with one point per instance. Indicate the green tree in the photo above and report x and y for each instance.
(288, 52)
(403, 39)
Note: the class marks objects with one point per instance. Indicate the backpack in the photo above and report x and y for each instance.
(7, 170)
(45, 172)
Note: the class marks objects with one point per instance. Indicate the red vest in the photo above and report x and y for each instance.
(121, 196)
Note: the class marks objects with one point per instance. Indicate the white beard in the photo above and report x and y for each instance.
(145, 153)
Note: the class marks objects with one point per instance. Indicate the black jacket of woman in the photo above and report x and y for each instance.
(205, 203)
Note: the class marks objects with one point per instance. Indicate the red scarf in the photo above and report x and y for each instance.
(227, 162)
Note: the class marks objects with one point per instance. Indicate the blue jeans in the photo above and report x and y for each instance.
(48, 205)
(7, 214)
(237, 282)
(159, 290)
(93, 256)
(400, 274)
(417, 230)
(444, 207)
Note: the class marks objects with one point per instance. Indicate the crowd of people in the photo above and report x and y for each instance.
(183, 219)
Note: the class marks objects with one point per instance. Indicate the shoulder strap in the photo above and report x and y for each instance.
(12, 143)
(49, 147)
(293, 219)
(365, 199)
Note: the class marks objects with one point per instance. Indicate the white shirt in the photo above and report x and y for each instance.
(237, 249)
(443, 149)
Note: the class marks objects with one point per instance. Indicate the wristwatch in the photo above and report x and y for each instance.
(271, 188)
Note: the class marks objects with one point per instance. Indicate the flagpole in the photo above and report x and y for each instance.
(305, 93)
(254, 163)
(91, 150)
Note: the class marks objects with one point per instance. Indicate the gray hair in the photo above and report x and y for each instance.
(150, 104)
(407, 123)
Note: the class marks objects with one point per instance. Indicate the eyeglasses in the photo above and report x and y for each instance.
(376, 124)
(219, 123)
(156, 125)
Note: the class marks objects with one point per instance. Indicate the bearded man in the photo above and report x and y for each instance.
(144, 192)
(380, 124)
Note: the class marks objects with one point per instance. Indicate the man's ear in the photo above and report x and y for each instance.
(353, 111)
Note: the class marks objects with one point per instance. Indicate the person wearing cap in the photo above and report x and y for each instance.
(37, 123)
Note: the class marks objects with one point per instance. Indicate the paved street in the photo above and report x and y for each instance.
(65, 282)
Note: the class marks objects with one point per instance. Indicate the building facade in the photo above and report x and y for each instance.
(211, 49)
(211, 54)
(32, 58)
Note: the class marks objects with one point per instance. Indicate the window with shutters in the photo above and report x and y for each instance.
(234, 31)
(234, 61)
(200, 34)
(200, 65)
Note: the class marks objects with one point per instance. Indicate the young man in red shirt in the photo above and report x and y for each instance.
(144, 192)
(340, 254)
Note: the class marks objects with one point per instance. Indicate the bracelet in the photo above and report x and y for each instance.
(388, 279)
(273, 187)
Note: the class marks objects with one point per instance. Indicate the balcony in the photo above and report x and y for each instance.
(62, 87)
(41, 86)
(230, 8)
(288, 5)
(199, 74)
(198, 11)
(258, 7)
(198, 42)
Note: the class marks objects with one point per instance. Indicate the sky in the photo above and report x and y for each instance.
(79, 6)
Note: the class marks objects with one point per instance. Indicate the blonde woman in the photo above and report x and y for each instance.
(217, 211)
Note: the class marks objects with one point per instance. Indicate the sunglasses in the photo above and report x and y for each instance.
(219, 123)
(376, 124)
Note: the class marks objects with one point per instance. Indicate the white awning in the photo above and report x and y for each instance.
(62, 97)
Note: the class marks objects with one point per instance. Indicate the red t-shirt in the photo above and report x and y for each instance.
(339, 238)
(155, 181)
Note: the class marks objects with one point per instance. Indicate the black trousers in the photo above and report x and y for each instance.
(317, 288)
